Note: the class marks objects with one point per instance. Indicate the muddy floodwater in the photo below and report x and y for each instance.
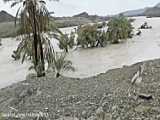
(89, 62)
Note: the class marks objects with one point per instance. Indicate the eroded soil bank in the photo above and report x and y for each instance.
(110, 95)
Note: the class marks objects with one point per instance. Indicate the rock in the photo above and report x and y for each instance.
(14, 109)
(101, 115)
(68, 118)
(145, 96)
(138, 81)
(31, 76)
(158, 117)
(137, 78)
(105, 107)
(84, 114)
(139, 33)
(114, 108)
(141, 108)
(39, 92)
(108, 116)
(46, 109)
(25, 84)
(156, 109)
(92, 118)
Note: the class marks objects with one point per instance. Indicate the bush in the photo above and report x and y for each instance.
(89, 36)
(101, 25)
(66, 41)
(119, 28)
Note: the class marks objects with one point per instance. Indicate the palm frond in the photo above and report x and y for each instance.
(34, 19)
(60, 63)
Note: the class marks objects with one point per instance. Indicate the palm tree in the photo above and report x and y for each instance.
(24, 49)
(60, 64)
(34, 23)
(91, 36)
(66, 41)
(101, 38)
(87, 36)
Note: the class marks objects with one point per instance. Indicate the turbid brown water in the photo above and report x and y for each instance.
(145, 47)
(89, 62)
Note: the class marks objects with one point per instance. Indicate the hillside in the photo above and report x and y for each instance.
(79, 19)
(91, 17)
(150, 12)
(158, 5)
(153, 12)
(6, 17)
(139, 12)
(83, 14)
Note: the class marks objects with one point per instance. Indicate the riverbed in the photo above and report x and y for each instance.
(89, 62)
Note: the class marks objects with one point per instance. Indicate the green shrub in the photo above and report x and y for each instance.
(66, 41)
(89, 36)
(102, 39)
(119, 28)
(61, 64)
(101, 25)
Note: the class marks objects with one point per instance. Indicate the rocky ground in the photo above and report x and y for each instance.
(108, 96)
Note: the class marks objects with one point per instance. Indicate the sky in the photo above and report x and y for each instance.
(99, 7)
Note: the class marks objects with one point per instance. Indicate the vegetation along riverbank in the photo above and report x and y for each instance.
(127, 93)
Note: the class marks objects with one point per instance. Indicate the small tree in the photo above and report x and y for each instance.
(66, 42)
(34, 25)
(60, 64)
(119, 28)
(101, 39)
(101, 25)
(91, 36)
(87, 36)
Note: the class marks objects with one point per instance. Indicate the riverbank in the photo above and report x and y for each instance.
(110, 93)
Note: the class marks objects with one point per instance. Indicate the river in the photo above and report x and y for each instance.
(90, 62)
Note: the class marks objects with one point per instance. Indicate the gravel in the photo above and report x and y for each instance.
(107, 96)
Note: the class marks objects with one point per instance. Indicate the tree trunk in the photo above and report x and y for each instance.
(36, 62)
(58, 75)
(66, 50)
(39, 63)
(42, 58)
(35, 50)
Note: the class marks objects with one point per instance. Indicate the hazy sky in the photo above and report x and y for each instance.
(100, 7)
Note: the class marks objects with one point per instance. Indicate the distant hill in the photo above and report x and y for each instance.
(150, 12)
(91, 17)
(154, 11)
(83, 14)
(6, 17)
(139, 12)
(79, 19)
(158, 5)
